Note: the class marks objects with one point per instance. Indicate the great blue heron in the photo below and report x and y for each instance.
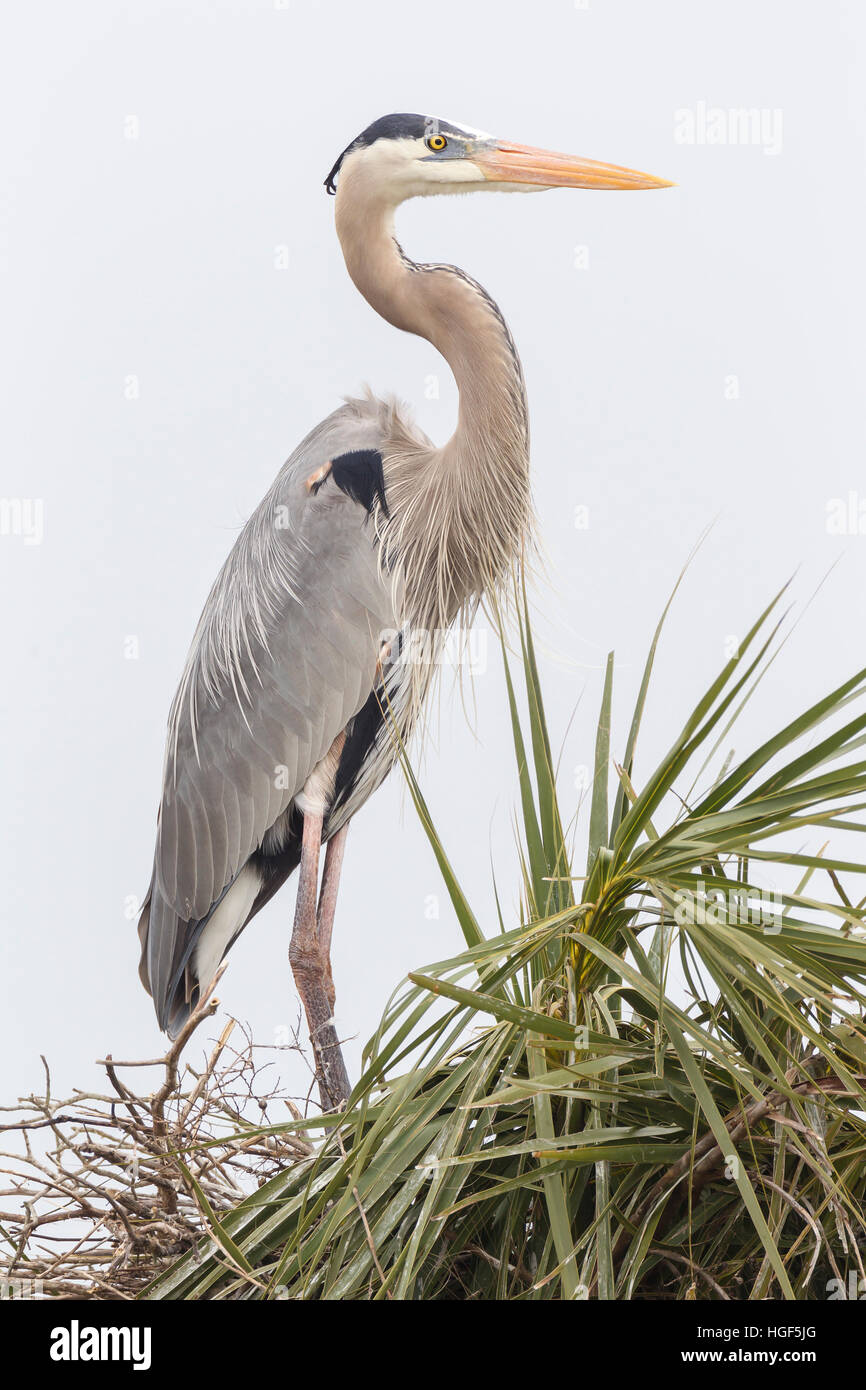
(295, 695)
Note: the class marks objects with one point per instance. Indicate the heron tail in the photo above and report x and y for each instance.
(180, 958)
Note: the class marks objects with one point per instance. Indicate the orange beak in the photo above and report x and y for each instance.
(501, 162)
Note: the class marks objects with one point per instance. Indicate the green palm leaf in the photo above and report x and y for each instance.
(659, 1086)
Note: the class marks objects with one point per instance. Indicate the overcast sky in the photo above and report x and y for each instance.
(177, 316)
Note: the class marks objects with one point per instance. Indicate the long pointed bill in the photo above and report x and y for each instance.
(501, 162)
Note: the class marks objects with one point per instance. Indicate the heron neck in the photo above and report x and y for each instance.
(479, 479)
(449, 309)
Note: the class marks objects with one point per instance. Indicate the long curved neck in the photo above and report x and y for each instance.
(452, 312)
(469, 500)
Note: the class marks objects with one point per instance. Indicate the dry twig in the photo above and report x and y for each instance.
(95, 1203)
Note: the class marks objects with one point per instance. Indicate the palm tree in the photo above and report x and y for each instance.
(649, 1083)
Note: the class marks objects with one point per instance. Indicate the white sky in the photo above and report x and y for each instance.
(155, 258)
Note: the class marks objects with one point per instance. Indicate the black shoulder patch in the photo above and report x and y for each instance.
(361, 476)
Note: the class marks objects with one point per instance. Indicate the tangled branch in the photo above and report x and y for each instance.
(99, 1192)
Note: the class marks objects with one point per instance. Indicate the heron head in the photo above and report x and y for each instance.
(411, 156)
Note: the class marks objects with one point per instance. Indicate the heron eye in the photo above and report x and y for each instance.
(436, 142)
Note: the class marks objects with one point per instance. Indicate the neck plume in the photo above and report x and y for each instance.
(461, 514)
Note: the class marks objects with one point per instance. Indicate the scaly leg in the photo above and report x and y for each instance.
(311, 965)
(328, 902)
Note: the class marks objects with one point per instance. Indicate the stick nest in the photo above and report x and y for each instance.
(100, 1192)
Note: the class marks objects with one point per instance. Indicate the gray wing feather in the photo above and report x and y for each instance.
(283, 657)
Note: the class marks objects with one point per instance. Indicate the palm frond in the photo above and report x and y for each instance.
(654, 1091)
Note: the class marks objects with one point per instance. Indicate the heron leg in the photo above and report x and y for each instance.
(311, 966)
(328, 902)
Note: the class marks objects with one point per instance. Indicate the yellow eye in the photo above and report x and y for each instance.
(436, 142)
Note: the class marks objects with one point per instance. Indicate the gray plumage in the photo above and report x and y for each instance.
(296, 692)
(284, 656)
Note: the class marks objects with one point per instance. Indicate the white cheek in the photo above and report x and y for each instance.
(455, 171)
(445, 176)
